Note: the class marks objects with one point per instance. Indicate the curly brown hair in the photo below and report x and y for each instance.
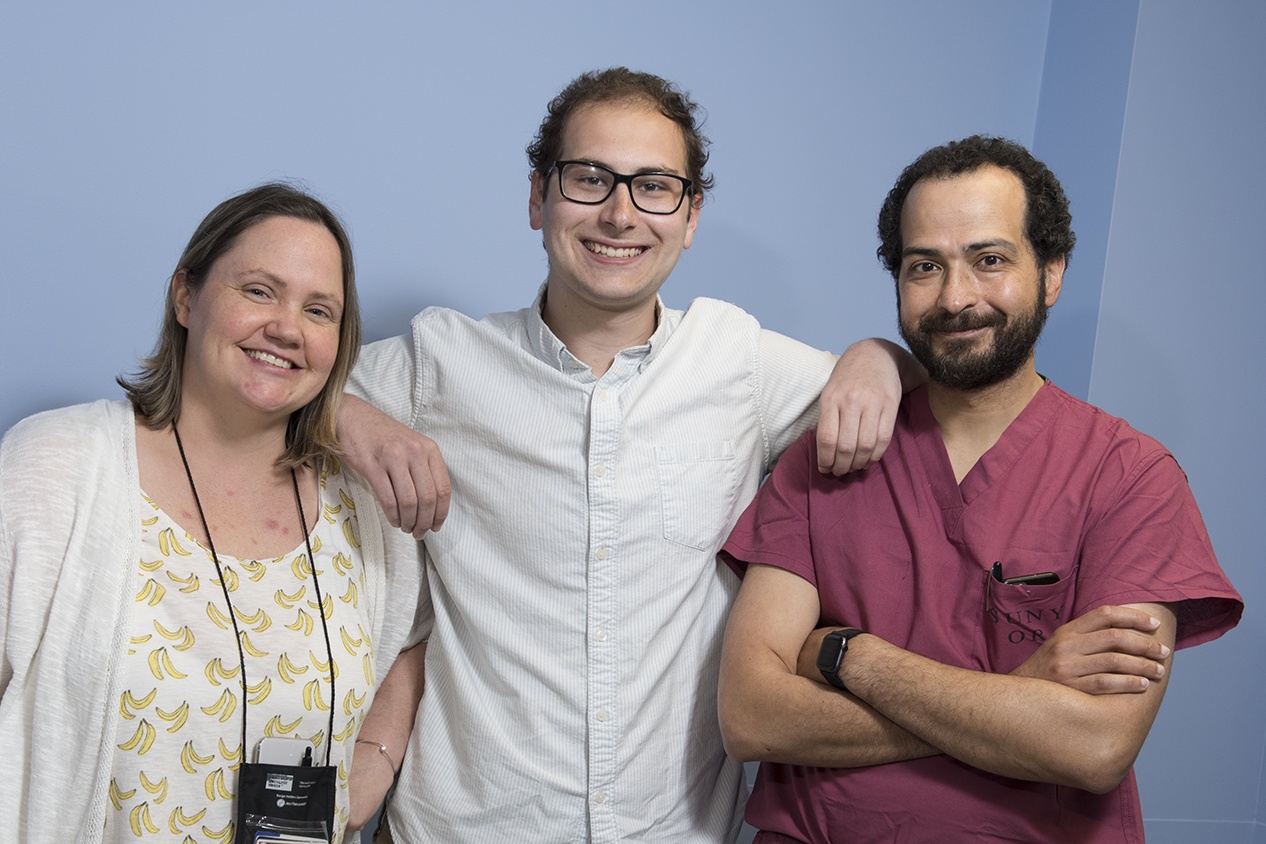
(1047, 224)
(619, 84)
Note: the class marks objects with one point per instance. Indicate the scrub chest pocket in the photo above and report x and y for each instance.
(1018, 617)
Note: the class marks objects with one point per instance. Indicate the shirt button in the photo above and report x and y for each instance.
(600, 470)
(600, 797)
(602, 553)
(602, 635)
(602, 396)
(602, 715)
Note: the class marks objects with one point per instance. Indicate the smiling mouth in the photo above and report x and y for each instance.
(271, 360)
(612, 252)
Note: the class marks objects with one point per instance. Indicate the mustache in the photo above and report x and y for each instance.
(965, 321)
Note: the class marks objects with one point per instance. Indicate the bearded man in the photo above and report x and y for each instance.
(969, 640)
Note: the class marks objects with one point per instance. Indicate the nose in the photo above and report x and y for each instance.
(959, 290)
(618, 211)
(285, 326)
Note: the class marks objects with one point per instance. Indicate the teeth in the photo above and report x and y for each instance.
(271, 359)
(609, 252)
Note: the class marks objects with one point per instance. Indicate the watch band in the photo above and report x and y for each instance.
(831, 654)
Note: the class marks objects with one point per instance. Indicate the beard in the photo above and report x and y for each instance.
(957, 366)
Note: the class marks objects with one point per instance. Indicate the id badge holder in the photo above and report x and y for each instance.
(285, 803)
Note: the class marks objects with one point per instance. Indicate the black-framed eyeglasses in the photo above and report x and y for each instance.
(591, 184)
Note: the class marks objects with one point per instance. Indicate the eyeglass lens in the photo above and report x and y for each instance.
(655, 193)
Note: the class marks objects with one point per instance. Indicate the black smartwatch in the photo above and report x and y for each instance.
(831, 655)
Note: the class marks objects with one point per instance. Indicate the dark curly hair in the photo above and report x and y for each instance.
(619, 84)
(1047, 224)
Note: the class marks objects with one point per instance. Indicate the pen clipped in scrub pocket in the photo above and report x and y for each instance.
(1024, 601)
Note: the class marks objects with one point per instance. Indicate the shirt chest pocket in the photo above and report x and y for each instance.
(697, 484)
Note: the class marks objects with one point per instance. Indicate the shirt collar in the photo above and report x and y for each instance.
(551, 350)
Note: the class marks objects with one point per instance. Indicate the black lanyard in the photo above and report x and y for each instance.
(241, 656)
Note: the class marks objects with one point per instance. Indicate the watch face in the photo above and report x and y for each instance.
(831, 653)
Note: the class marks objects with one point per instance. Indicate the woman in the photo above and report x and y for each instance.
(159, 611)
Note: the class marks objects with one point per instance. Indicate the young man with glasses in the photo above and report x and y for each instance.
(601, 446)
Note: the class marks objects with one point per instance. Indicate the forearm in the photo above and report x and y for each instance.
(1014, 726)
(769, 715)
(909, 370)
(353, 417)
(389, 725)
(767, 712)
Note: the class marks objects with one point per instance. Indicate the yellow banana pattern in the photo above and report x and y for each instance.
(178, 749)
(188, 584)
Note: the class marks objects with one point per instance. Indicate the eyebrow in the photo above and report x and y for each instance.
(980, 246)
(641, 171)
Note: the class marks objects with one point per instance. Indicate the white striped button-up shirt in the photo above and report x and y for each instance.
(576, 606)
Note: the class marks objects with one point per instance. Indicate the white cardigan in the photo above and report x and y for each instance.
(69, 547)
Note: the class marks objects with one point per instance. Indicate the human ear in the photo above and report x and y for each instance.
(181, 295)
(1055, 278)
(536, 200)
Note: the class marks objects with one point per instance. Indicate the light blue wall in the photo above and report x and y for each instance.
(122, 124)
(1152, 112)
(1183, 300)
(1079, 120)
